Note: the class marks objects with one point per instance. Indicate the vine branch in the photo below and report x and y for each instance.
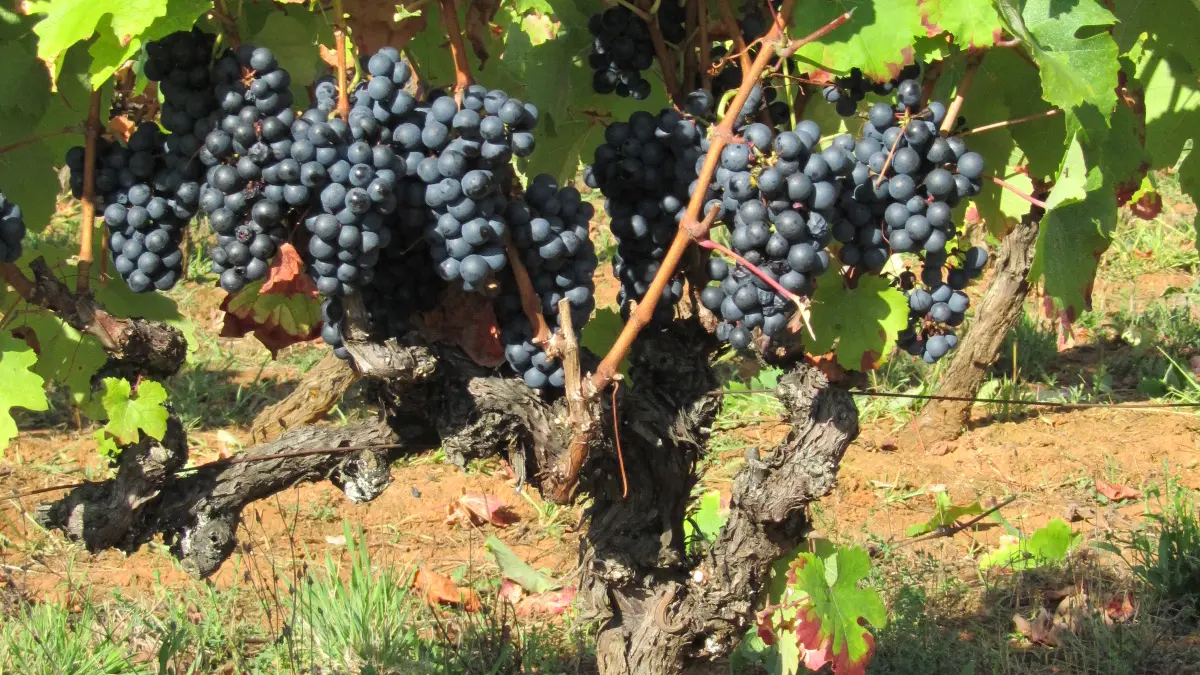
(665, 62)
(1013, 189)
(690, 229)
(458, 50)
(705, 54)
(796, 45)
(739, 44)
(87, 218)
(1007, 123)
(339, 44)
(530, 304)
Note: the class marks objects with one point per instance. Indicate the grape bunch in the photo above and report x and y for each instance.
(939, 304)
(463, 155)
(352, 185)
(646, 169)
(777, 199)
(252, 175)
(846, 92)
(550, 230)
(144, 227)
(907, 176)
(179, 63)
(12, 230)
(622, 48)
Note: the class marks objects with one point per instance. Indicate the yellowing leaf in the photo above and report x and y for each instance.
(859, 324)
(878, 39)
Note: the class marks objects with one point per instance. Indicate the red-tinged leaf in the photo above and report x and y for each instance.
(1120, 610)
(277, 320)
(438, 589)
(1116, 492)
(478, 509)
(511, 591)
(833, 613)
(287, 276)
(552, 603)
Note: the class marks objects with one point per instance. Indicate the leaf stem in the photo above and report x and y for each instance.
(750, 267)
(458, 50)
(690, 53)
(531, 305)
(998, 125)
(1013, 189)
(31, 140)
(739, 44)
(87, 217)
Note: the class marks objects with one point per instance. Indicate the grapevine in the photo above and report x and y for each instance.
(423, 193)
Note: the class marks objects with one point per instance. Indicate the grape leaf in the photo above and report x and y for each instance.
(112, 50)
(833, 612)
(23, 90)
(1081, 214)
(65, 356)
(21, 388)
(127, 415)
(1049, 544)
(1170, 27)
(878, 38)
(69, 22)
(972, 23)
(512, 567)
(600, 334)
(1074, 69)
(277, 319)
(859, 323)
(705, 522)
(945, 514)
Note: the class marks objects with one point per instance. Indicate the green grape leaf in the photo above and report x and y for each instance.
(600, 334)
(23, 90)
(878, 38)
(112, 50)
(105, 445)
(127, 414)
(65, 356)
(945, 514)
(69, 22)
(859, 323)
(1169, 25)
(1081, 214)
(512, 567)
(1047, 545)
(1077, 58)
(831, 624)
(39, 135)
(971, 23)
(704, 523)
(21, 388)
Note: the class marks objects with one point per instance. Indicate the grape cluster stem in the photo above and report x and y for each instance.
(1007, 123)
(960, 94)
(530, 304)
(458, 50)
(87, 218)
(801, 305)
(703, 56)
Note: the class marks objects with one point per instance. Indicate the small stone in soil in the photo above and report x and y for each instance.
(416, 493)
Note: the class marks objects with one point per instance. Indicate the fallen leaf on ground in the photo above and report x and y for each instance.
(552, 603)
(476, 509)
(1119, 610)
(438, 589)
(511, 591)
(1116, 492)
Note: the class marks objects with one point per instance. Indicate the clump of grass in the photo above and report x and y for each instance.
(48, 639)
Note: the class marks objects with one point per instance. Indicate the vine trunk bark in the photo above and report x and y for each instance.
(999, 311)
(665, 605)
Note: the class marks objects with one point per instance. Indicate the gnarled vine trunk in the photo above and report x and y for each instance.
(998, 313)
(662, 608)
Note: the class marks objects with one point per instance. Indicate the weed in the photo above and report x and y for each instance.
(48, 639)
